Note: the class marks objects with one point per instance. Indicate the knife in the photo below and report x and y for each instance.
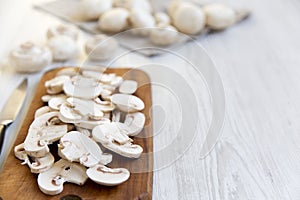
(11, 109)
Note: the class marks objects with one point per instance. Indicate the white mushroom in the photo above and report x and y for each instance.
(77, 147)
(219, 16)
(68, 115)
(128, 87)
(39, 164)
(133, 124)
(84, 131)
(55, 85)
(93, 9)
(164, 35)
(110, 136)
(42, 110)
(188, 18)
(172, 7)
(162, 18)
(55, 103)
(127, 103)
(141, 21)
(29, 57)
(47, 98)
(44, 130)
(101, 47)
(82, 87)
(114, 20)
(90, 124)
(51, 182)
(143, 5)
(62, 30)
(107, 176)
(68, 72)
(63, 48)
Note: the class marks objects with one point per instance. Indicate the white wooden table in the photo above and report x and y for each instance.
(257, 156)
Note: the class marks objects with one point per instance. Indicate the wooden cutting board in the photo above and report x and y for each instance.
(17, 182)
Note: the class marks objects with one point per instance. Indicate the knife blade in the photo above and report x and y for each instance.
(11, 109)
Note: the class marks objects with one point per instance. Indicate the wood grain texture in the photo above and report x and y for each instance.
(16, 181)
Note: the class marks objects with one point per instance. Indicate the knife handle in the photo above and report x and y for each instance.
(2, 131)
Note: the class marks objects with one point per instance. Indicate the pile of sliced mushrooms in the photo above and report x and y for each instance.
(86, 112)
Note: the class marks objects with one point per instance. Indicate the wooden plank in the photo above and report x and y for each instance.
(16, 181)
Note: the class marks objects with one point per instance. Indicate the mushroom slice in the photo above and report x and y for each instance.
(92, 74)
(39, 165)
(46, 98)
(82, 87)
(128, 87)
(68, 72)
(84, 131)
(127, 103)
(56, 102)
(107, 176)
(113, 139)
(51, 182)
(44, 130)
(55, 85)
(75, 146)
(42, 110)
(116, 82)
(134, 123)
(90, 124)
(68, 115)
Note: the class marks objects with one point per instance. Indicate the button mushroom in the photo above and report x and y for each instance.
(188, 18)
(127, 103)
(63, 48)
(93, 9)
(164, 35)
(101, 47)
(141, 22)
(110, 136)
(51, 181)
(114, 20)
(107, 176)
(62, 30)
(77, 147)
(29, 57)
(219, 16)
(162, 18)
(143, 5)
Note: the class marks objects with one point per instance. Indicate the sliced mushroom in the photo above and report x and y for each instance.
(68, 72)
(127, 103)
(90, 124)
(141, 21)
(110, 136)
(44, 130)
(101, 47)
(39, 164)
(93, 9)
(107, 176)
(55, 85)
(92, 74)
(77, 147)
(63, 48)
(51, 182)
(47, 98)
(84, 131)
(128, 87)
(42, 110)
(68, 115)
(55, 103)
(219, 16)
(114, 20)
(82, 87)
(29, 57)
(164, 35)
(62, 30)
(133, 124)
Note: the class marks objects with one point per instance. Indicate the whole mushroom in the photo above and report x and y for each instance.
(62, 30)
(101, 47)
(188, 18)
(219, 16)
(143, 5)
(114, 20)
(63, 48)
(164, 35)
(93, 9)
(29, 57)
(142, 21)
(162, 18)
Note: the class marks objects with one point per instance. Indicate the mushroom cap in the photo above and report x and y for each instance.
(172, 7)
(107, 176)
(143, 5)
(63, 47)
(93, 9)
(139, 20)
(128, 87)
(162, 18)
(101, 47)
(188, 18)
(51, 181)
(62, 30)
(114, 20)
(219, 16)
(164, 35)
(29, 57)
(127, 103)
